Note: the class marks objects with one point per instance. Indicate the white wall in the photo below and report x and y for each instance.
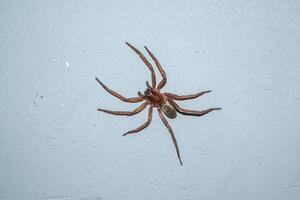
(54, 145)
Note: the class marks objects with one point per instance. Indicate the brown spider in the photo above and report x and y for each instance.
(164, 102)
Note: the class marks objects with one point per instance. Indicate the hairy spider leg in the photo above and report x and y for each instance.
(146, 62)
(186, 97)
(126, 113)
(191, 112)
(143, 126)
(171, 132)
(163, 82)
(130, 100)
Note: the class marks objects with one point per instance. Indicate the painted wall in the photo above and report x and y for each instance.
(54, 145)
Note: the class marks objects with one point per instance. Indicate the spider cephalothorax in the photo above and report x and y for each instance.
(152, 97)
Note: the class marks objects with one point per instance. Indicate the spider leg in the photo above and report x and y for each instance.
(130, 100)
(126, 113)
(143, 126)
(162, 72)
(171, 132)
(186, 97)
(191, 112)
(146, 62)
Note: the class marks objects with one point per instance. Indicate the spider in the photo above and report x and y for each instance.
(154, 98)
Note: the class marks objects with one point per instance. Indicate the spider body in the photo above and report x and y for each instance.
(153, 98)
(159, 100)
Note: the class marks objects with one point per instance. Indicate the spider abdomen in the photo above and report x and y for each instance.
(169, 110)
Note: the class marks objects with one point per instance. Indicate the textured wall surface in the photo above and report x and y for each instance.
(54, 145)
